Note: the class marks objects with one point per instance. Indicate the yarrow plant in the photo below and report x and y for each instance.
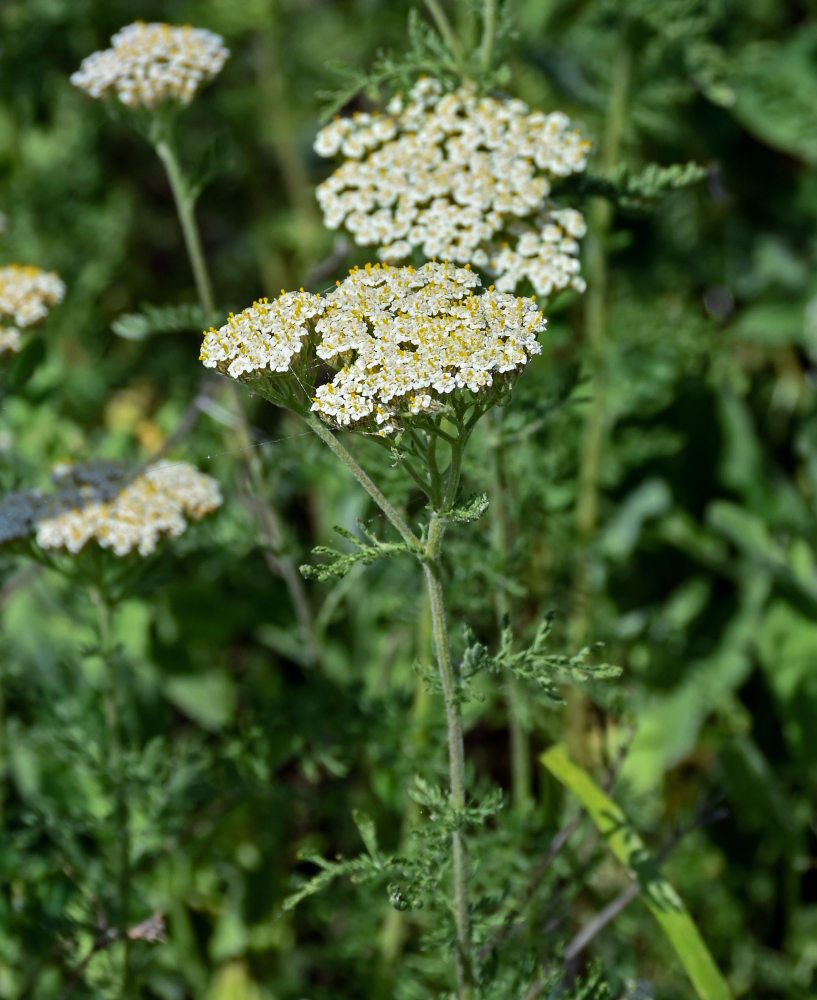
(94, 502)
(452, 185)
(459, 176)
(149, 64)
(26, 295)
(419, 354)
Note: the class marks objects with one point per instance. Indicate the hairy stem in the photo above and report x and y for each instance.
(395, 517)
(429, 554)
(444, 27)
(456, 752)
(114, 734)
(488, 34)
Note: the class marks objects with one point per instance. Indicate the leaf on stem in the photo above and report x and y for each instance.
(160, 319)
(365, 552)
(535, 663)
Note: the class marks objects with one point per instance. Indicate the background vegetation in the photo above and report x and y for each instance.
(661, 462)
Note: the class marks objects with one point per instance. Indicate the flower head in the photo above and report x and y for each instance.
(152, 63)
(460, 177)
(94, 502)
(400, 340)
(27, 293)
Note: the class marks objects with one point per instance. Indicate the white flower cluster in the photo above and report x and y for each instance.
(264, 336)
(459, 177)
(26, 295)
(91, 502)
(402, 339)
(152, 63)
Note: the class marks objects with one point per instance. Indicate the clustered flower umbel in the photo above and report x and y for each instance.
(460, 177)
(152, 63)
(26, 295)
(93, 502)
(402, 339)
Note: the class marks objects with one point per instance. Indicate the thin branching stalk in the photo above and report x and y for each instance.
(444, 27)
(430, 556)
(339, 450)
(114, 733)
(185, 209)
(488, 34)
(268, 517)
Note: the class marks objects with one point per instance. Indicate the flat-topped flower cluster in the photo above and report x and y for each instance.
(26, 295)
(152, 63)
(460, 177)
(93, 501)
(401, 340)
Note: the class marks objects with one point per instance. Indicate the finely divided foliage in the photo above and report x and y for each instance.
(452, 184)
(461, 177)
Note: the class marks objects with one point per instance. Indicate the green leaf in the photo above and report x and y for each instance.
(338, 564)
(366, 828)
(471, 510)
(160, 319)
(793, 566)
(208, 699)
(669, 723)
(775, 86)
(649, 500)
(233, 982)
(658, 894)
(774, 324)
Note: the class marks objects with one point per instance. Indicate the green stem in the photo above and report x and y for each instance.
(444, 27)
(456, 752)
(519, 748)
(429, 555)
(185, 208)
(488, 33)
(114, 732)
(269, 520)
(391, 512)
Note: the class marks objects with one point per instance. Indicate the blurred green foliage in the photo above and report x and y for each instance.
(674, 402)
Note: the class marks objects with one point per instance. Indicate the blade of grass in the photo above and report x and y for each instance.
(658, 894)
